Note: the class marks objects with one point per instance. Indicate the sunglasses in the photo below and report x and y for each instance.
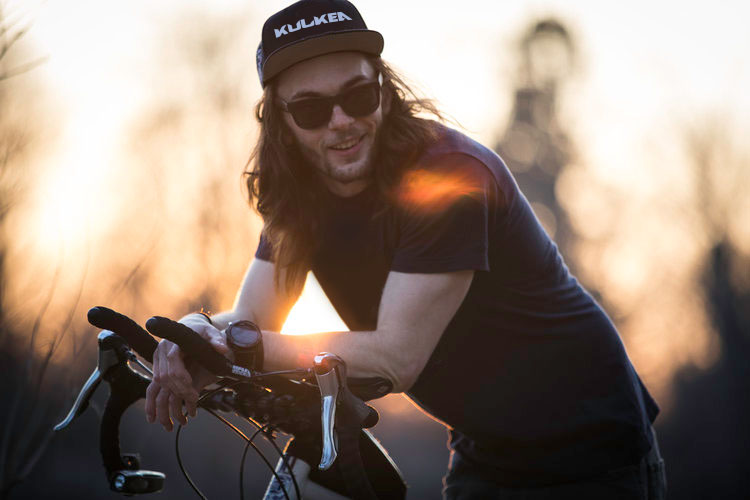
(314, 112)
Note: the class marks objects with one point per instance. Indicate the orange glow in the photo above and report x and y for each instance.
(430, 191)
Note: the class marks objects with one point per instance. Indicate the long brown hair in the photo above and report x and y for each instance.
(286, 190)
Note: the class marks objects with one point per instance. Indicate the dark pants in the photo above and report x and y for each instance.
(643, 481)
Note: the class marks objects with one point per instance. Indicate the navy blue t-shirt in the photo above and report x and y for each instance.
(530, 375)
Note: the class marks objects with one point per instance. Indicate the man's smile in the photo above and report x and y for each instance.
(347, 144)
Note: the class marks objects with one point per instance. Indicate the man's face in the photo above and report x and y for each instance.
(342, 149)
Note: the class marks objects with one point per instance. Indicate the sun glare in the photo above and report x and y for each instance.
(69, 198)
(313, 312)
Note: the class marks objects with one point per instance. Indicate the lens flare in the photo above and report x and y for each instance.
(430, 191)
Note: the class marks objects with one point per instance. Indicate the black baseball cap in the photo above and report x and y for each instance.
(311, 28)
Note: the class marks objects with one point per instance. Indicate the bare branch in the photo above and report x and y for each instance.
(8, 44)
(32, 461)
(23, 68)
(133, 272)
(9, 19)
(71, 311)
(14, 407)
(40, 435)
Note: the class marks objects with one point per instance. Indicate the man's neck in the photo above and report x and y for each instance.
(348, 189)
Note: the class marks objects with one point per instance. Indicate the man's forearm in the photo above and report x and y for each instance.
(367, 354)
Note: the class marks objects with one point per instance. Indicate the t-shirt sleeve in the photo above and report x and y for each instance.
(444, 216)
(264, 250)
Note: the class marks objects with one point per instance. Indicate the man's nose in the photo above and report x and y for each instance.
(339, 119)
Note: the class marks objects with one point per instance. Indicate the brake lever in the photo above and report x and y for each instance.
(330, 373)
(82, 401)
(126, 387)
(110, 352)
(341, 433)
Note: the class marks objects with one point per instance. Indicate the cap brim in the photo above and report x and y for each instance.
(368, 41)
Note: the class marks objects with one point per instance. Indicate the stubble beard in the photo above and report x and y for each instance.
(361, 169)
(350, 172)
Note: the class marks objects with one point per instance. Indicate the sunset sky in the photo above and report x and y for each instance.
(643, 66)
(135, 125)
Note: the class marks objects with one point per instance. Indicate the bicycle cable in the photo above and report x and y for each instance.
(182, 467)
(184, 471)
(242, 464)
(243, 436)
(228, 384)
(224, 384)
(284, 458)
(255, 447)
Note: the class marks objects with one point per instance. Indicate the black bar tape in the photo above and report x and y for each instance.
(136, 337)
(371, 419)
(349, 463)
(366, 416)
(192, 343)
(126, 387)
(353, 414)
(109, 435)
(367, 388)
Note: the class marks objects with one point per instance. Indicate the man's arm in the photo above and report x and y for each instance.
(258, 300)
(414, 311)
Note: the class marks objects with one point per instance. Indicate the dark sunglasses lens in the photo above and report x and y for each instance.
(362, 100)
(316, 112)
(310, 113)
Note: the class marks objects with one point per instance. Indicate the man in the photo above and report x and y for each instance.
(431, 255)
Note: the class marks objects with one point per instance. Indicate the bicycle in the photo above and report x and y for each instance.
(319, 406)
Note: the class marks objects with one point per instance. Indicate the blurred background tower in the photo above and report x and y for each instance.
(533, 145)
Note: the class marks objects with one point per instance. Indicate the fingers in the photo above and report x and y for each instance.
(178, 380)
(175, 384)
(153, 389)
(157, 405)
(171, 387)
(170, 371)
(175, 408)
(166, 407)
(162, 410)
(151, 393)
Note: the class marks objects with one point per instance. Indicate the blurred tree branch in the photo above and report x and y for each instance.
(711, 407)
(26, 428)
(722, 183)
(10, 35)
(721, 174)
(21, 69)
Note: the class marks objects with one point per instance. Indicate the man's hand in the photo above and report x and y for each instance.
(177, 383)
